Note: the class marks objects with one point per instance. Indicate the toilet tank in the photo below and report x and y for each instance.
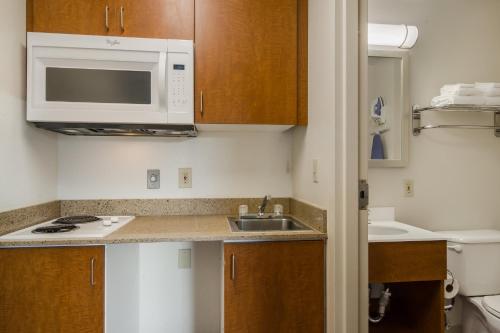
(474, 260)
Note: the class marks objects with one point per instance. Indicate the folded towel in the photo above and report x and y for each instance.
(377, 147)
(455, 86)
(459, 85)
(491, 89)
(492, 101)
(460, 89)
(462, 100)
(487, 85)
(493, 92)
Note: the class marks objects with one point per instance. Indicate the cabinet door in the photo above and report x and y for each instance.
(274, 287)
(86, 17)
(52, 290)
(172, 19)
(246, 61)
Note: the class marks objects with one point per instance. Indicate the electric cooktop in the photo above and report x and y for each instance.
(68, 227)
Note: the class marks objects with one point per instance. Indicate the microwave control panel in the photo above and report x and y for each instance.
(180, 83)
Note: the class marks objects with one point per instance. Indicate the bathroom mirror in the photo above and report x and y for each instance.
(389, 108)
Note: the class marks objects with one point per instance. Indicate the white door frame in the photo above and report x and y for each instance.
(350, 301)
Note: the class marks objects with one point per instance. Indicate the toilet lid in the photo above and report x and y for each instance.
(492, 304)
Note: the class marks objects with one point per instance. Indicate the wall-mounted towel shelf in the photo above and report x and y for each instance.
(417, 116)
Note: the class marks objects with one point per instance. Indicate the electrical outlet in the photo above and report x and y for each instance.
(315, 171)
(184, 258)
(408, 188)
(185, 178)
(153, 180)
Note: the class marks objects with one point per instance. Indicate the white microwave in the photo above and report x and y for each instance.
(81, 82)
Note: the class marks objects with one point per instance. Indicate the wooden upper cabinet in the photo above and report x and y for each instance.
(145, 18)
(274, 287)
(246, 61)
(87, 17)
(172, 19)
(56, 289)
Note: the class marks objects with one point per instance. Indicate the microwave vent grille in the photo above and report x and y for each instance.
(90, 129)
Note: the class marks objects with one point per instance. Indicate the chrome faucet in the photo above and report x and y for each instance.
(262, 207)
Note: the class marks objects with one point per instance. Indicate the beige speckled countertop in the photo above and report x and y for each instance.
(146, 229)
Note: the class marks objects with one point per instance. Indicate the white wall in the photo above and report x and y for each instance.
(122, 288)
(180, 300)
(146, 291)
(224, 165)
(457, 183)
(316, 140)
(28, 156)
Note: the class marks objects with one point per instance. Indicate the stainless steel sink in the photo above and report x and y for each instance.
(269, 223)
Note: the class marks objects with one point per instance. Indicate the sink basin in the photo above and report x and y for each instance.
(385, 230)
(283, 223)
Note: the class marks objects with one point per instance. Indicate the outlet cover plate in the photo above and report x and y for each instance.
(409, 188)
(185, 178)
(184, 258)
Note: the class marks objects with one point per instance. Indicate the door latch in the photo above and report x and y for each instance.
(363, 194)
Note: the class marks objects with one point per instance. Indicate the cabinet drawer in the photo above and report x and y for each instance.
(407, 261)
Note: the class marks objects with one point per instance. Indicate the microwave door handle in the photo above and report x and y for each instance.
(162, 84)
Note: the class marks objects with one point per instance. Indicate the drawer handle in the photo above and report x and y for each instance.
(106, 17)
(233, 267)
(92, 263)
(456, 248)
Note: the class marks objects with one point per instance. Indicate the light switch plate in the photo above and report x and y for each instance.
(153, 179)
(185, 178)
(315, 171)
(184, 258)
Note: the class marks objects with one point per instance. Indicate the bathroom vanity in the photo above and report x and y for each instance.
(411, 262)
(414, 272)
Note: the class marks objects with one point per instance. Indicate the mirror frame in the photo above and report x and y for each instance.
(405, 107)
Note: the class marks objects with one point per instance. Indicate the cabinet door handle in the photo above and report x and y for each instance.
(233, 267)
(92, 263)
(201, 102)
(106, 17)
(122, 18)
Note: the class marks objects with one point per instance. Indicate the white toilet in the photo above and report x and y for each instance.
(474, 260)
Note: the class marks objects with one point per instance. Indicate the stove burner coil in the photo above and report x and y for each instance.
(77, 219)
(52, 229)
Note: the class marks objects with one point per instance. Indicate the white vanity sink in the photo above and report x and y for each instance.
(382, 227)
(384, 230)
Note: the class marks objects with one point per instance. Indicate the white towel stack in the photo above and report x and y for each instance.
(491, 89)
(480, 93)
(491, 92)
(460, 89)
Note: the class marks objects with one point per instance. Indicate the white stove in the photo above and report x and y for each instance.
(71, 227)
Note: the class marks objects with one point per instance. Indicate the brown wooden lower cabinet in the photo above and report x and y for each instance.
(54, 289)
(274, 287)
(414, 273)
